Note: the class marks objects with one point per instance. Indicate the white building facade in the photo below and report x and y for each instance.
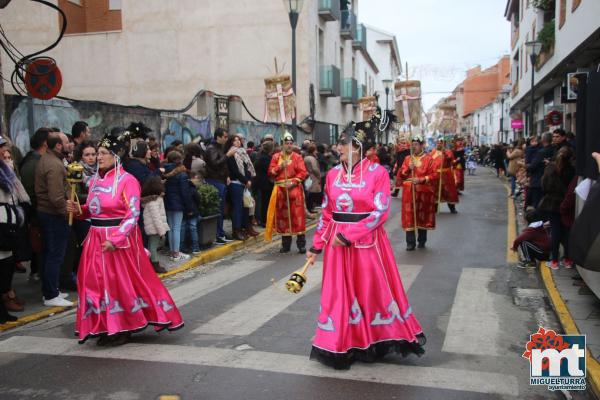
(167, 51)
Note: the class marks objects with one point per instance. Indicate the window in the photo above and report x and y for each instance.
(114, 5)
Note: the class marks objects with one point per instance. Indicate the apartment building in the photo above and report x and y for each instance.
(569, 31)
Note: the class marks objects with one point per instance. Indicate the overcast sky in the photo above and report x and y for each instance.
(441, 39)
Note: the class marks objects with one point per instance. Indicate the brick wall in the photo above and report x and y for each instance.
(90, 16)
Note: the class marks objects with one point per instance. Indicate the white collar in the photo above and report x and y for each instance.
(536, 224)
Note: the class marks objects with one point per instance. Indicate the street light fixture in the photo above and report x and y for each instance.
(534, 48)
(503, 95)
(294, 7)
(387, 83)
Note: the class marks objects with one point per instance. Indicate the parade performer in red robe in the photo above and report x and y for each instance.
(402, 151)
(364, 311)
(459, 164)
(286, 212)
(443, 160)
(119, 292)
(418, 195)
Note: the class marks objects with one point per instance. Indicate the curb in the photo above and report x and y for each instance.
(205, 257)
(569, 326)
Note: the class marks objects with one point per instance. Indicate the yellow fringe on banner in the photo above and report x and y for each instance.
(271, 214)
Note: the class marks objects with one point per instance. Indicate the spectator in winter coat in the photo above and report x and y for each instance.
(533, 243)
(555, 183)
(178, 201)
(155, 218)
(262, 184)
(536, 170)
(314, 174)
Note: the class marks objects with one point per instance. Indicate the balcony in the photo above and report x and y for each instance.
(349, 91)
(348, 25)
(360, 41)
(362, 91)
(329, 81)
(329, 10)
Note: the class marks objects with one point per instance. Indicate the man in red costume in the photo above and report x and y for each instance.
(459, 164)
(286, 208)
(418, 195)
(445, 190)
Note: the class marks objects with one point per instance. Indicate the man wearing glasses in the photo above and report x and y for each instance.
(286, 208)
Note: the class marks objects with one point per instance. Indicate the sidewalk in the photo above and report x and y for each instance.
(31, 291)
(576, 306)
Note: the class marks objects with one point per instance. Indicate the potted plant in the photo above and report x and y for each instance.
(208, 207)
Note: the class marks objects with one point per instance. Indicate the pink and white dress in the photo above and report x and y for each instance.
(364, 311)
(119, 290)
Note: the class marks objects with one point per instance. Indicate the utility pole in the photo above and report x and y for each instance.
(3, 124)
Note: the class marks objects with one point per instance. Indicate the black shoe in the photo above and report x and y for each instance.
(284, 250)
(410, 247)
(226, 239)
(453, 212)
(421, 246)
(302, 250)
(219, 242)
(7, 318)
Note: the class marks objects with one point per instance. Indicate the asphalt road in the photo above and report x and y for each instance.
(246, 338)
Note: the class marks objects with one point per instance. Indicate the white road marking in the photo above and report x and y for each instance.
(474, 324)
(214, 280)
(430, 377)
(249, 315)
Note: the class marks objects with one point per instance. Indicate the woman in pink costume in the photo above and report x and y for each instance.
(119, 292)
(364, 311)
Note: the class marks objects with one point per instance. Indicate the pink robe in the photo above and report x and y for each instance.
(118, 291)
(364, 311)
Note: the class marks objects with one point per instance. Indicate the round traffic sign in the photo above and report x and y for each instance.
(43, 79)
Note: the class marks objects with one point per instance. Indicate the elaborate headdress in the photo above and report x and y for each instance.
(418, 138)
(116, 142)
(138, 130)
(287, 136)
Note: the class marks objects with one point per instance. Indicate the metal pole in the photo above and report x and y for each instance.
(3, 123)
(502, 119)
(387, 106)
(531, 117)
(294, 23)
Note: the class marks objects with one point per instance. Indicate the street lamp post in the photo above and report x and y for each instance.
(294, 7)
(502, 119)
(534, 49)
(387, 83)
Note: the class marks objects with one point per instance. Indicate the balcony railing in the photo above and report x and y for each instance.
(329, 81)
(348, 25)
(349, 91)
(360, 41)
(329, 10)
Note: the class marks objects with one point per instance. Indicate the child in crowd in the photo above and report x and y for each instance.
(189, 225)
(533, 243)
(155, 218)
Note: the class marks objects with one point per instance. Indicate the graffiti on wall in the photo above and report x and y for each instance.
(254, 132)
(27, 115)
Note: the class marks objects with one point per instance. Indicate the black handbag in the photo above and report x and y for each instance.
(584, 240)
(12, 218)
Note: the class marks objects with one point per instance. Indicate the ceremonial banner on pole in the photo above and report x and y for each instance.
(408, 102)
(280, 101)
(368, 106)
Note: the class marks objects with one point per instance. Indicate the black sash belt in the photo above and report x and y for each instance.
(106, 223)
(349, 217)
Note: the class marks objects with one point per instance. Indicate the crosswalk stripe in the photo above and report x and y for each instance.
(399, 375)
(249, 315)
(214, 280)
(474, 324)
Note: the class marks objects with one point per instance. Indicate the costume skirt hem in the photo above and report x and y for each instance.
(161, 327)
(373, 353)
